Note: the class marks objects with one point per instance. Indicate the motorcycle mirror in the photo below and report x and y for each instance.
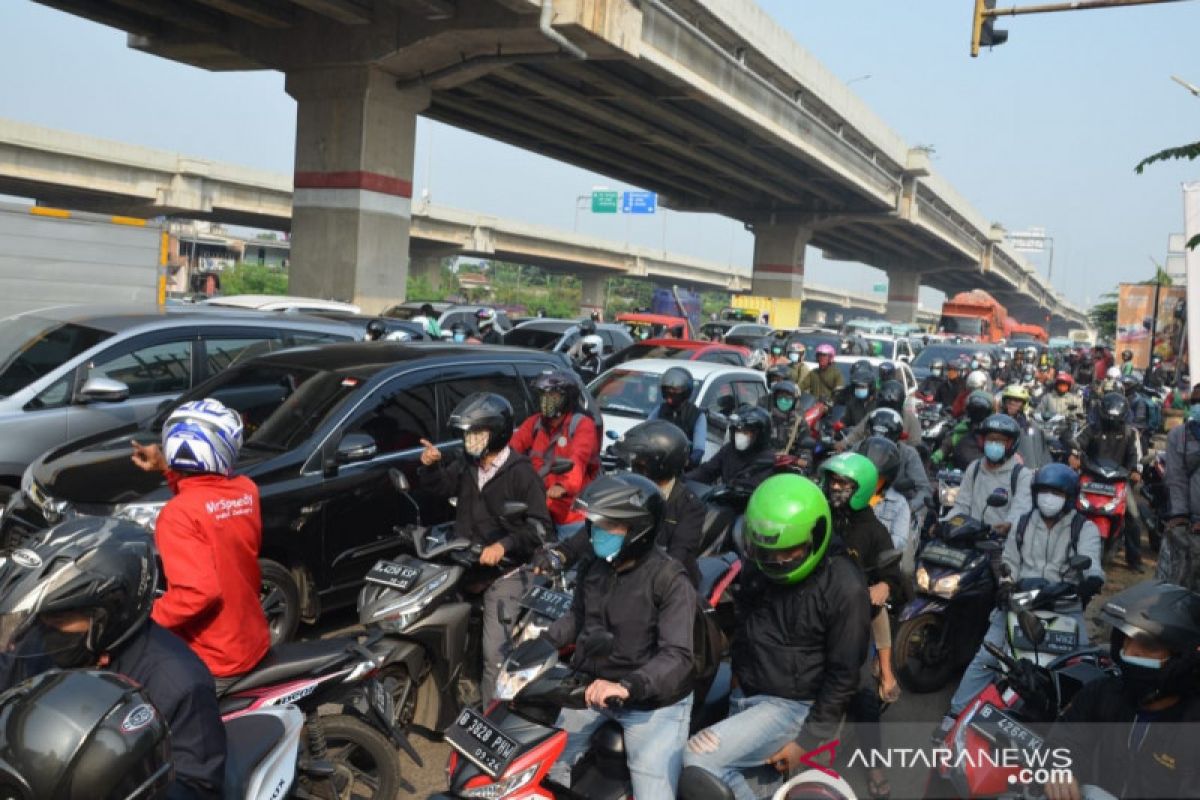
(1032, 627)
(399, 480)
(513, 509)
(998, 498)
(888, 558)
(612, 435)
(561, 466)
(597, 644)
(1078, 563)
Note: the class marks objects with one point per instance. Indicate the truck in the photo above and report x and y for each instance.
(782, 312)
(1023, 332)
(51, 256)
(974, 315)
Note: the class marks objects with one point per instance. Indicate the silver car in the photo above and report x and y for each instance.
(73, 371)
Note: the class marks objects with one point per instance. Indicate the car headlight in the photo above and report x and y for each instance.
(503, 787)
(509, 683)
(947, 586)
(144, 514)
(923, 579)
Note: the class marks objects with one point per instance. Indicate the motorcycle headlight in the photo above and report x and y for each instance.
(923, 579)
(408, 607)
(1110, 506)
(1084, 504)
(144, 514)
(508, 683)
(949, 495)
(947, 586)
(503, 787)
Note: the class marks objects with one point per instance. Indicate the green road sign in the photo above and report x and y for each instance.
(605, 202)
(879, 288)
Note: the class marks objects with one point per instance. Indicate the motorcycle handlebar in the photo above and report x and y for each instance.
(1000, 656)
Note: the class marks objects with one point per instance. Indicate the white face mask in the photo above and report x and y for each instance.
(742, 441)
(475, 442)
(1050, 504)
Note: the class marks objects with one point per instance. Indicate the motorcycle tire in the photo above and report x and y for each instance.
(915, 670)
(418, 704)
(280, 598)
(366, 763)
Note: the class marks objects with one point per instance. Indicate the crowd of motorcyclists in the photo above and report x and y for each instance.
(843, 489)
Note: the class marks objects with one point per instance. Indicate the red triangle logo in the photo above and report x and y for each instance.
(809, 758)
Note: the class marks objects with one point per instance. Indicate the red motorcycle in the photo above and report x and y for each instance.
(1103, 493)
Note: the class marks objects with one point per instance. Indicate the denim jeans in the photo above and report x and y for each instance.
(501, 604)
(654, 742)
(979, 674)
(756, 728)
(568, 529)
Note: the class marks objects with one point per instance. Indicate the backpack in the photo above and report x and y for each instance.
(547, 456)
(1076, 526)
(1013, 477)
(1154, 416)
(707, 639)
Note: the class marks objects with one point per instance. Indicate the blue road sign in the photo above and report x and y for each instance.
(639, 202)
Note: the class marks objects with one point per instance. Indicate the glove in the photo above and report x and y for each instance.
(1089, 588)
(548, 560)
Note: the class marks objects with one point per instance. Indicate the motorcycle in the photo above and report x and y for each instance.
(1152, 497)
(1103, 492)
(263, 752)
(1056, 430)
(936, 421)
(723, 515)
(1054, 606)
(948, 482)
(699, 784)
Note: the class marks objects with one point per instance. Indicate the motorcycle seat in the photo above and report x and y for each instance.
(248, 740)
(291, 660)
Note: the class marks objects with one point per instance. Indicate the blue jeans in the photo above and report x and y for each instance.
(654, 742)
(567, 530)
(979, 673)
(756, 728)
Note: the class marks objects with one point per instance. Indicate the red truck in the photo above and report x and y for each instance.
(1023, 332)
(974, 315)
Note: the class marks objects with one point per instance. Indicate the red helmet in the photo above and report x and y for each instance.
(1064, 377)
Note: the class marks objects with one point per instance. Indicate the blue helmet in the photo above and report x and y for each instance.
(1058, 477)
(202, 436)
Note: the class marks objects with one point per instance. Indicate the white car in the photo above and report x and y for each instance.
(903, 372)
(281, 302)
(627, 393)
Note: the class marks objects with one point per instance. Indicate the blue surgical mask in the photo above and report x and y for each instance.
(994, 451)
(1194, 412)
(861, 393)
(1141, 661)
(458, 337)
(794, 357)
(604, 544)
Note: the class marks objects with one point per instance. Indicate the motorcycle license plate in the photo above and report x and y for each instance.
(999, 727)
(481, 742)
(400, 577)
(547, 603)
(381, 702)
(1058, 642)
(1099, 488)
(944, 555)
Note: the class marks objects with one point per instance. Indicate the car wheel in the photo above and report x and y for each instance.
(280, 598)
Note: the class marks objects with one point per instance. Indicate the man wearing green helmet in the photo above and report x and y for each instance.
(803, 616)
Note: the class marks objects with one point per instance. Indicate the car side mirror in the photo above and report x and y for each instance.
(355, 448)
(1032, 627)
(998, 499)
(103, 390)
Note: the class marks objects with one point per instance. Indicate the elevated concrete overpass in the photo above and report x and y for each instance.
(708, 102)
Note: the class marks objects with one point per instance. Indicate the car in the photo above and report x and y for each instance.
(721, 330)
(467, 316)
(625, 395)
(949, 352)
(560, 335)
(323, 426)
(905, 373)
(652, 326)
(395, 330)
(814, 339)
(682, 349)
(73, 371)
(892, 348)
(279, 302)
(413, 309)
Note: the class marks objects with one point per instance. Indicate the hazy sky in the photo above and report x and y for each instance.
(1044, 130)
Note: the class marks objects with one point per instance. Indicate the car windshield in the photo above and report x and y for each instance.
(946, 352)
(281, 406)
(626, 392)
(882, 348)
(970, 326)
(715, 331)
(535, 338)
(814, 340)
(648, 351)
(31, 347)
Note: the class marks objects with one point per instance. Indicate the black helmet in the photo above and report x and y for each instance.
(779, 372)
(886, 422)
(587, 327)
(675, 386)
(979, 407)
(657, 449)
(891, 394)
(754, 420)
(937, 367)
(1170, 616)
(884, 454)
(1114, 409)
(82, 734)
(862, 372)
(95, 567)
(1127, 355)
(887, 372)
(376, 330)
(627, 499)
(556, 393)
(1005, 426)
(1058, 477)
(483, 411)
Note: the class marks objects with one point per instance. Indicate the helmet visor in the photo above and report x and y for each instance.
(36, 642)
(778, 564)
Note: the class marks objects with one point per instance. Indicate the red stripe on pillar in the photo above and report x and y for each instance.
(371, 181)
(791, 269)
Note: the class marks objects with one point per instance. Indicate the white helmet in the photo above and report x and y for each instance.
(592, 345)
(202, 436)
(1113, 374)
(978, 380)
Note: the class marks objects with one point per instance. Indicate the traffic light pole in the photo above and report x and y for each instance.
(985, 13)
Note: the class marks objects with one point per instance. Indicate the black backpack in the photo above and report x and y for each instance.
(1076, 526)
(707, 640)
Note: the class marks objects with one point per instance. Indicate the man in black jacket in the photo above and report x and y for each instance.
(675, 388)
(639, 602)
(747, 460)
(488, 475)
(803, 619)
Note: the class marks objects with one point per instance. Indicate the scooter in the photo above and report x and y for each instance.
(262, 750)
(1152, 497)
(1102, 496)
(948, 483)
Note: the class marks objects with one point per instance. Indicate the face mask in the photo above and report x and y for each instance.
(742, 441)
(1050, 504)
(1140, 677)
(66, 650)
(861, 393)
(550, 404)
(794, 358)
(604, 544)
(476, 442)
(673, 400)
(1194, 412)
(785, 404)
(994, 451)
(776, 351)
(1141, 661)
(459, 337)
(937, 373)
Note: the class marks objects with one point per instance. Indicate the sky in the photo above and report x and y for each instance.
(1042, 131)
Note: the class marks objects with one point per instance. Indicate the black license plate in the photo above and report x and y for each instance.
(944, 555)
(1055, 642)
(400, 577)
(481, 742)
(1099, 488)
(1001, 728)
(381, 702)
(547, 602)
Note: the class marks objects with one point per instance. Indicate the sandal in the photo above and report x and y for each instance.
(879, 788)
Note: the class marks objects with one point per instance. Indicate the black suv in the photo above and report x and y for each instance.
(322, 427)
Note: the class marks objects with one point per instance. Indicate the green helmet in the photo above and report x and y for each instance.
(857, 468)
(784, 513)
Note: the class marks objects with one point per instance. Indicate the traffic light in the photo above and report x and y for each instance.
(983, 28)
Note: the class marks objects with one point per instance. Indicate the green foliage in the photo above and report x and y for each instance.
(247, 278)
(1189, 152)
(713, 302)
(419, 289)
(1103, 316)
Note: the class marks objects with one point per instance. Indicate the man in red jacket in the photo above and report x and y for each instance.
(560, 432)
(208, 536)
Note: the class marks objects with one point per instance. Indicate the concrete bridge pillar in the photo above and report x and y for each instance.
(779, 259)
(594, 294)
(355, 135)
(427, 266)
(903, 289)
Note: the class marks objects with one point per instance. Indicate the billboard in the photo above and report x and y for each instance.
(1135, 318)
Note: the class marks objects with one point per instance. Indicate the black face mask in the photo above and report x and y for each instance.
(67, 650)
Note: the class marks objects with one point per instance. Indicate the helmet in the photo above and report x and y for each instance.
(202, 436)
(781, 390)
(1015, 391)
(1170, 616)
(1058, 477)
(1112, 374)
(861, 372)
(1127, 355)
(753, 419)
(94, 567)
(937, 367)
(777, 346)
(779, 372)
(1114, 409)
(886, 422)
(980, 405)
(483, 413)
(1131, 381)
(630, 500)
(556, 393)
(82, 734)
(887, 372)
(891, 394)
(657, 449)
(826, 350)
(1002, 362)
(978, 379)
(376, 330)
(675, 386)
(1065, 377)
(1005, 426)
(591, 344)
(1031, 352)
(485, 318)
(859, 470)
(797, 346)
(587, 327)
(786, 513)
(884, 454)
